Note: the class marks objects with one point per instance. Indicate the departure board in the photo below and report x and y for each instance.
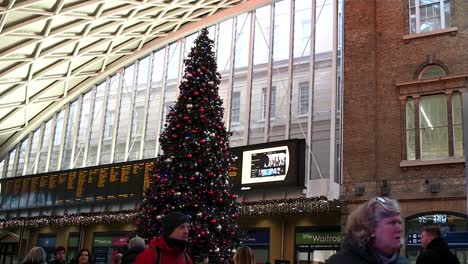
(101, 183)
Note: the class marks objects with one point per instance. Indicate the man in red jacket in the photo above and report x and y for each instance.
(170, 248)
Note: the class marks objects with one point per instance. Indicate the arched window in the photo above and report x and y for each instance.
(432, 71)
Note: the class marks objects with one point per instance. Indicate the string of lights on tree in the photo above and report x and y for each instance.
(256, 208)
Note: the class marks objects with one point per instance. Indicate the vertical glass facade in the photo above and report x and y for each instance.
(281, 79)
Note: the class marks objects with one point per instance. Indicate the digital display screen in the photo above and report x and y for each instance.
(106, 182)
(265, 165)
(279, 164)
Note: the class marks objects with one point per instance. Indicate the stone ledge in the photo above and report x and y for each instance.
(412, 163)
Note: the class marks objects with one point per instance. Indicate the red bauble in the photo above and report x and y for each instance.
(205, 99)
(202, 141)
(186, 118)
(174, 136)
(172, 191)
(180, 177)
(211, 174)
(213, 221)
(211, 192)
(189, 156)
(192, 179)
(194, 131)
(201, 110)
(220, 127)
(203, 68)
(220, 200)
(177, 126)
(202, 233)
(196, 93)
(233, 196)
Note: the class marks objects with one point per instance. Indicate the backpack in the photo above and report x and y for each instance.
(158, 256)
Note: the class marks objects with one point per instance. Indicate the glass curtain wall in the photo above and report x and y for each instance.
(281, 79)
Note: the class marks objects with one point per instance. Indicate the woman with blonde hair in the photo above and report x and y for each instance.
(372, 234)
(36, 255)
(244, 255)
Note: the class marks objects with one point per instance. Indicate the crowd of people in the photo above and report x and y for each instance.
(372, 235)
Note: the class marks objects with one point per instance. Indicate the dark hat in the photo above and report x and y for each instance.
(171, 221)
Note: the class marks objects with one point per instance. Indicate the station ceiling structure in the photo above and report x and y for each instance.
(51, 51)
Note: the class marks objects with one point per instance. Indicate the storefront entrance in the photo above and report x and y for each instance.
(453, 227)
(313, 255)
(315, 245)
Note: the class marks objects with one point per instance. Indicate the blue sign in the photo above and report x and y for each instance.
(452, 238)
(256, 237)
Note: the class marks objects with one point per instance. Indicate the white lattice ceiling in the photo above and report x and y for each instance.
(49, 48)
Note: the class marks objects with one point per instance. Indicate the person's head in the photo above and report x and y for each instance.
(83, 255)
(377, 223)
(35, 255)
(176, 226)
(428, 234)
(60, 253)
(136, 242)
(244, 255)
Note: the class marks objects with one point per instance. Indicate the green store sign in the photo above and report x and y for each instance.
(318, 238)
(103, 241)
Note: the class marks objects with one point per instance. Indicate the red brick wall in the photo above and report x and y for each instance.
(376, 58)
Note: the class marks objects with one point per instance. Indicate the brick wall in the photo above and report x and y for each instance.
(377, 57)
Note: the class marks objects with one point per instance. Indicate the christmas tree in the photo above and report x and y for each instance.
(191, 174)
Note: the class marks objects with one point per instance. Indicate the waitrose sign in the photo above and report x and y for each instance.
(318, 238)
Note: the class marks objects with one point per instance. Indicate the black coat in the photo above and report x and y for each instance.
(130, 256)
(437, 251)
(352, 253)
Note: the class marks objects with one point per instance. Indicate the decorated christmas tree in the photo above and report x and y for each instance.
(191, 174)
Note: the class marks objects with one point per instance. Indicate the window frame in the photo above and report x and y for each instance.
(448, 85)
(417, 16)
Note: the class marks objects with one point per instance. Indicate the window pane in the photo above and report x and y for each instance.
(83, 130)
(45, 146)
(11, 161)
(96, 124)
(303, 98)
(410, 131)
(412, 19)
(224, 59)
(448, 17)
(260, 74)
(429, 13)
(2, 164)
(138, 110)
(155, 105)
(432, 72)
(124, 118)
(109, 120)
(302, 28)
(279, 94)
(235, 112)
(457, 125)
(240, 76)
(71, 132)
(301, 67)
(57, 142)
(22, 157)
(433, 127)
(321, 118)
(33, 152)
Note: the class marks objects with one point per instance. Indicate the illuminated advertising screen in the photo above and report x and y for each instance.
(265, 165)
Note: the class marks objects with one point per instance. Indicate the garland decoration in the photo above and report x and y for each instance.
(256, 208)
